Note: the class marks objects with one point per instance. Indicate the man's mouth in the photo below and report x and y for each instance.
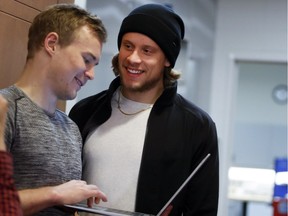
(134, 71)
(79, 82)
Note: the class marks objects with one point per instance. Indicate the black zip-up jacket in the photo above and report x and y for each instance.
(178, 136)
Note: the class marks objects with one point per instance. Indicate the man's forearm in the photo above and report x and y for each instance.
(35, 200)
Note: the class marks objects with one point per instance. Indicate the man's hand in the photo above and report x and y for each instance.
(167, 211)
(76, 191)
(71, 192)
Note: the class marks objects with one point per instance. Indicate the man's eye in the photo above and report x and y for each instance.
(86, 61)
(128, 46)
(147, 51)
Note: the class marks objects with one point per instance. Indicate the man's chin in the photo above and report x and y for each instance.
(71, 96)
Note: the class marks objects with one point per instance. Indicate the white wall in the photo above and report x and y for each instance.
(245, 30)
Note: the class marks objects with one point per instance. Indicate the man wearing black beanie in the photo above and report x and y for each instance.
(141, 138)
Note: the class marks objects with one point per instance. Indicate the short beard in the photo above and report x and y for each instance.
(148, 85)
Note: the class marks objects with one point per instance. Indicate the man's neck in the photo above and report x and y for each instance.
(37, 93)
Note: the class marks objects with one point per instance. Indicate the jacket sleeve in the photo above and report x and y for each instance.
(206, 183)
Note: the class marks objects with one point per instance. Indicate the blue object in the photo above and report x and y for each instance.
(281, 191)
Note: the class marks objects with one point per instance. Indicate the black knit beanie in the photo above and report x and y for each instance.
(158, 22)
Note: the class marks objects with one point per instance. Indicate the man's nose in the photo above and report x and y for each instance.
(90, 73)
(134, 57)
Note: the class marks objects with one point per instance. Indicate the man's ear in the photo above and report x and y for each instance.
(167, 63)
(50, 42)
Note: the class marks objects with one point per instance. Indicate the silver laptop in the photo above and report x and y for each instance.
(116, 212)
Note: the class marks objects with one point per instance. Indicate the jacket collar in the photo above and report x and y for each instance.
(102, 110)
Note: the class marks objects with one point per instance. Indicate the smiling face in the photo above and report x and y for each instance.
(141, 64)
(73, 65)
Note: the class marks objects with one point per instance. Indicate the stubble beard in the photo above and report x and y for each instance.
(142, 87)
